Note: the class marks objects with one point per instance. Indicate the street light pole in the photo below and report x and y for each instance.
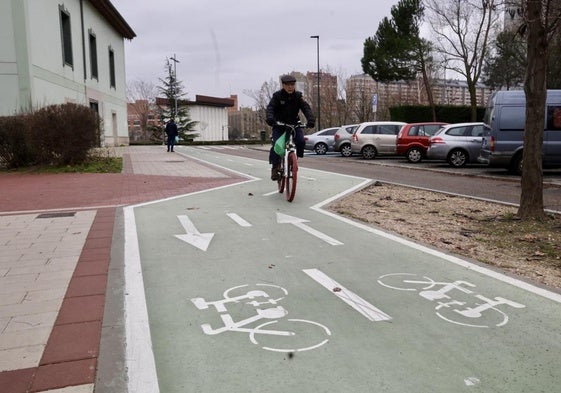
(318, 108)
(175, 61)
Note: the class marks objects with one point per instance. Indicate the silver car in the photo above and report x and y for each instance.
(322, 141)
(458, 144)
(343, 139)
(376, 138)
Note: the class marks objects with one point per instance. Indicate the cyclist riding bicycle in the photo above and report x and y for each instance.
(284, 107)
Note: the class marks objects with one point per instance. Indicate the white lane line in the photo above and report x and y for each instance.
(352, 299)
(140, 363)
(240, 221)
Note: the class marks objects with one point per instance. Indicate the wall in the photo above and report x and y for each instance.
(32, 71)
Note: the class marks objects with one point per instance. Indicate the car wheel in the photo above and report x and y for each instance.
(346, 151)
(414, 155)
(516, 165)
(369, 152)
(457, 158)
(320, 148)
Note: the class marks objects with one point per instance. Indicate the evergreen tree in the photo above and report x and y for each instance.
(172, 90)
(397, 51)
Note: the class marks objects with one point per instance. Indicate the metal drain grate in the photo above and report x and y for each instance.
(56, 215)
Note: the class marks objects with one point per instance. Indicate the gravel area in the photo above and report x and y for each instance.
(487, 232)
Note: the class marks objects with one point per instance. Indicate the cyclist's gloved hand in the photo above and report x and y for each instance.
(310, 124)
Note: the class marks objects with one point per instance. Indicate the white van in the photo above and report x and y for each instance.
(505, 119)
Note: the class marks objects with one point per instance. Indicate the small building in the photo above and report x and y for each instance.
(55, 52)
(211, 115)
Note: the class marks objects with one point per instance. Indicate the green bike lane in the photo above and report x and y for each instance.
(246, 292)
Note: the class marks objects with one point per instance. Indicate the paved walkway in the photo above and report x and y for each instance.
(56, 232)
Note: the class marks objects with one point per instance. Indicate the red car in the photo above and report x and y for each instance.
(413, 139)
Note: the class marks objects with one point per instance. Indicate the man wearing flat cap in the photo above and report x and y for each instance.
(284, 107)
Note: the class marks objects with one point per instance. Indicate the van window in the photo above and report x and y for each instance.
(512, 118)
(554, 117)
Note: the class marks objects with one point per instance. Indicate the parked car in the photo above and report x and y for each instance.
(343, 139)
(505, 117)
(322, 141)
(457, 144)
(413, 140)
(375, 138)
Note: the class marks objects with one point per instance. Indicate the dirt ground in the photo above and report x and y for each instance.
(487, 232)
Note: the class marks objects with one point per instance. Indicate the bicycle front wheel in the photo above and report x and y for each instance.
(291, 178)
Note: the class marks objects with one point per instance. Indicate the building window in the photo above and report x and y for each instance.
(112, 68)
(93, 55)
(66, 35)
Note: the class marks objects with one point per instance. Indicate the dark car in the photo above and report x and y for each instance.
(413, 139)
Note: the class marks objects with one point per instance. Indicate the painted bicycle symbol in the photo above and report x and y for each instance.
(278, 333)
(482, 312)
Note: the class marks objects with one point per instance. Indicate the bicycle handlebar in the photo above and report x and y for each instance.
(292, 125)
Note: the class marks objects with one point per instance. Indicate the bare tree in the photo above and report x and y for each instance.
(542, 18)
(262, 97)
(141, 96)
(463, 29)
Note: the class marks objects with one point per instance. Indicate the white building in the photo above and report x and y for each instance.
(60, 51)
(211, 115)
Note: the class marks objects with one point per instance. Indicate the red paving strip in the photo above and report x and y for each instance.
(17, 381)
(21, 192)
(56, 376)
(70, 356)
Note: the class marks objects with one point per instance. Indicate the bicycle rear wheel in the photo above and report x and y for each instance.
(291, 178)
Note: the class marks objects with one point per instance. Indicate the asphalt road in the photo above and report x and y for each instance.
(236, 290)
(473, 180)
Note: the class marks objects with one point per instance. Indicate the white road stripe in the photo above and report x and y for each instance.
(240, 221)
(349, 297)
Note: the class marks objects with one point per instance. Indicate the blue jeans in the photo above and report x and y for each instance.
(274, 158)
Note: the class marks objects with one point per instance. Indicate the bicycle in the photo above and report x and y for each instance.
(289, 163)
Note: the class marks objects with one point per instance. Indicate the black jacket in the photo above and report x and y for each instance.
(285, 107)
(171, 129)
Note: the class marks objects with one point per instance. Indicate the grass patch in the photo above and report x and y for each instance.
(98, 161)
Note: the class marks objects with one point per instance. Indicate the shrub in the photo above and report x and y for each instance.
(63, 134)
(14, 147)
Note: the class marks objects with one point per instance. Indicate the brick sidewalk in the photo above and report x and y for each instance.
(56, 232)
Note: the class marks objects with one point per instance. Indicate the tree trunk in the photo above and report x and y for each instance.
(428, 89)
(472, 100)
(531, 197)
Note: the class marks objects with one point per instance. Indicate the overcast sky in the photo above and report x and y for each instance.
(227, 47)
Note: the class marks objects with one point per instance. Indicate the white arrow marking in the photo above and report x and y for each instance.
(299, 222)
(240, 221)
(349, 297)
(193, 236)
